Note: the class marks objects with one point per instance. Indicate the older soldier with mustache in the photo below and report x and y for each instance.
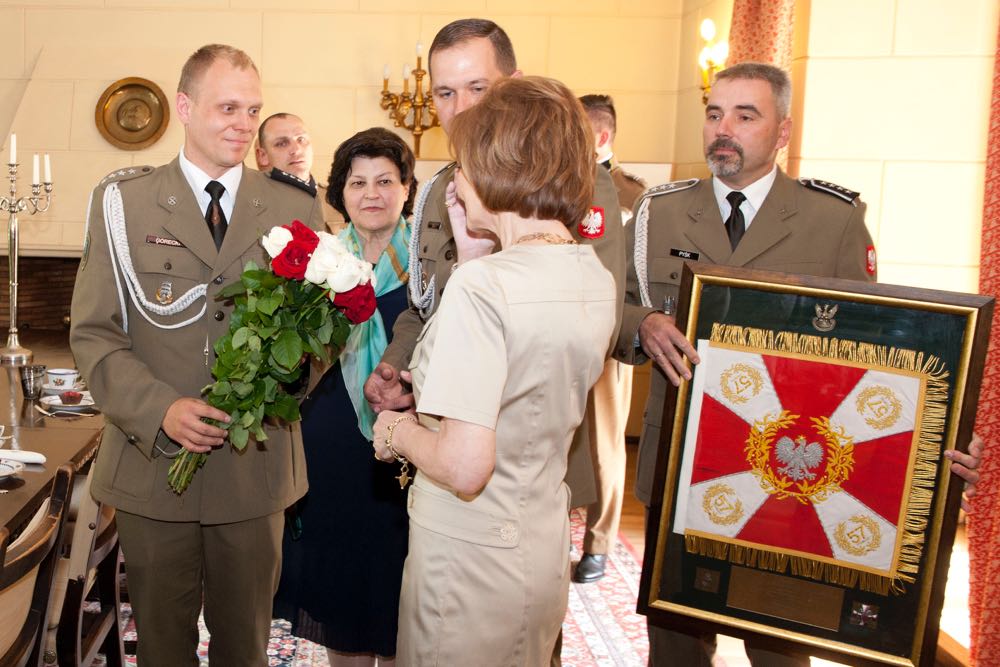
(748, 214)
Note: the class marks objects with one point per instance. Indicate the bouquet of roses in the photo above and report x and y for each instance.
(303, 305)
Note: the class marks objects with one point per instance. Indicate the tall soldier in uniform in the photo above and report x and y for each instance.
(466, 57)
(748, 214)
(169, 238)
(612, 395)
(284, 151)
(604, 121)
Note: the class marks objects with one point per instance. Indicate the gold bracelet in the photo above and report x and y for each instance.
(404, 473)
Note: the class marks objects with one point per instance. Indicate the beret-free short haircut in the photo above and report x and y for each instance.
(205, 57)
(527, 148)
(463, 30)
(371, 143)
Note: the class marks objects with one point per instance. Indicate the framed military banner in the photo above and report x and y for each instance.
(802, 498)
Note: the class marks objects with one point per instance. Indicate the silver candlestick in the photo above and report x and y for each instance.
(13, 354)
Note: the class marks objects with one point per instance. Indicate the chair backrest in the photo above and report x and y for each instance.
(26, 573)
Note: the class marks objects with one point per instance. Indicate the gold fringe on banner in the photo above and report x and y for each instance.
(923, 479)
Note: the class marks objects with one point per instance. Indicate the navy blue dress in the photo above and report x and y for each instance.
(341, 575)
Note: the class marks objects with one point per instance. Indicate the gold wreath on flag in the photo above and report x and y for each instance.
(859, 535)
(721, 505)
(740, 382)
(790, 481)
(879, 407)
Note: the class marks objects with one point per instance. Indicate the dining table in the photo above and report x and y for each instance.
(68, 437)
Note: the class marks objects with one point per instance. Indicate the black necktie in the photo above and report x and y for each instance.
(735, 224)
(214, 216)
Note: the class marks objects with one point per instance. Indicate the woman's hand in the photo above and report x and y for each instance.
(379, 433)
(469, 245)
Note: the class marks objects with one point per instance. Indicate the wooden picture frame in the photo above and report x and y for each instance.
(801, 496)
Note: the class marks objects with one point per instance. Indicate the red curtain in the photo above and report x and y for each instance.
(762, 31)
(984, 522)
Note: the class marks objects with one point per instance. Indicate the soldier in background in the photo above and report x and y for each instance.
(284, 151)
(603, 118)
(609, 409)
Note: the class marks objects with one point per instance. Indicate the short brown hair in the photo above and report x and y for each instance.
(260, 130)
(203, 58)
(781, 85)
(371, 143)
(601, 111)
(463, 30)
(527, 148)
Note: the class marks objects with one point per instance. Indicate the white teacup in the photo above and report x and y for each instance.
(62, 378)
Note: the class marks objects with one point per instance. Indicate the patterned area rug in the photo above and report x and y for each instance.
(601, 627)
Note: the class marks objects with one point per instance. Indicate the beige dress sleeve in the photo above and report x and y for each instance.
(465, 370)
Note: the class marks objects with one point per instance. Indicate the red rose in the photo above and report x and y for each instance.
(303, 234)
(357, 303)
(291, 262)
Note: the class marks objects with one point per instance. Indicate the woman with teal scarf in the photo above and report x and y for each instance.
(343, 562)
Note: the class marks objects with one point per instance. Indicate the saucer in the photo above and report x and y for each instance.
(10, 468)
(55, 403)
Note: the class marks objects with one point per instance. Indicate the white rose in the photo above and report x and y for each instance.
(275, 241)
(348, 275)
(324, 260)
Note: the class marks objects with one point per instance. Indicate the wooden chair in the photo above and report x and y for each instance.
(26, 577)
(92, 571)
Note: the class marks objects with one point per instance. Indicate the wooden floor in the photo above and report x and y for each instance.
(954, 619)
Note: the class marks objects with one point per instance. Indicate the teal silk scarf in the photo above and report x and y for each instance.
(367, 341)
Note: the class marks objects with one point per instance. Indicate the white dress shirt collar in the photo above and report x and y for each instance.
(755, 194)
(198, 179)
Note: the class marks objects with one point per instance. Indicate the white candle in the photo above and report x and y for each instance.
(48, 169)
(13, 149)
(34, 169)
(420, 48)
(406, 72)
(385, 72)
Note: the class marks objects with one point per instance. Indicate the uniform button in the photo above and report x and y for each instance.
(450, 255)
(167, 266)
(218, 280)
(425, 249)
(674, 275)
(219, 316)
(132, 440)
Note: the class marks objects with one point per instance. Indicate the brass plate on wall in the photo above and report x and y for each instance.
(132, 113)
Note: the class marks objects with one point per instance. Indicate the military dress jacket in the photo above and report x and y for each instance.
(797, 230)
(438, 255)
(630, 187)
(136, 374)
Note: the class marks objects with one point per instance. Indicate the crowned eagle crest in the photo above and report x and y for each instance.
(799, 457)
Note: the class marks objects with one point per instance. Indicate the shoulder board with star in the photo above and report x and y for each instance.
(635, 179)
(126, 174)
(668, 188)
(840, 192)
(293, 180)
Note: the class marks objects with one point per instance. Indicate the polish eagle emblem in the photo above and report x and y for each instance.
(799, 457)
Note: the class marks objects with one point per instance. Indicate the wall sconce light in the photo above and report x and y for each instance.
(712, 57)
(414, 112)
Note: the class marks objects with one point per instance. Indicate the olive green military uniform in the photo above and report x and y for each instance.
(797, 230)
(436, 256)
(608, 416)
(230, 516)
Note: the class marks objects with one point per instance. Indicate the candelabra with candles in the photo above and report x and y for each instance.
(414, 112)
(13, 354)
(712, 57)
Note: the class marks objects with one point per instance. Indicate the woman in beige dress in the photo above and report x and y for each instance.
(501, 374)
